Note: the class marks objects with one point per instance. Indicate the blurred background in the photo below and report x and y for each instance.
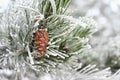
(105, 44)
(105, 51)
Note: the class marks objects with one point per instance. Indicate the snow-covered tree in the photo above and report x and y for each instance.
(68, 39)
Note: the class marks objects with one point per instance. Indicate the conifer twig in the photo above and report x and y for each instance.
(30, 56)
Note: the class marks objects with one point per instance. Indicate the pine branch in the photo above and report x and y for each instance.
(67, 35)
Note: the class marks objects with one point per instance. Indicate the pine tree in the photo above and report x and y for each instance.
(68, 38)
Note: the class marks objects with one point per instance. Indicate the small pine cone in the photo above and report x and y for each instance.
(40, 41)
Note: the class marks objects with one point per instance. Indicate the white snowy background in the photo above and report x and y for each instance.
(3, 5)
(105, 41)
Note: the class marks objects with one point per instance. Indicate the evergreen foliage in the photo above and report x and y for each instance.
(68, 39)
